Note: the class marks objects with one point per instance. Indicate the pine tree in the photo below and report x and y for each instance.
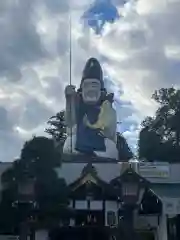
(57, 127)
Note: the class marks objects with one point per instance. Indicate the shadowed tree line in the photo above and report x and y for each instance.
(47, 202)
(159, 138)
(39, 158)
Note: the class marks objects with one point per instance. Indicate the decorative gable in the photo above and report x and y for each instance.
(90, 184)
(86, 179)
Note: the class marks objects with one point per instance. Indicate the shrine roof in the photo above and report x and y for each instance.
(72, 171)
(169, 190)
(110, 170)
(89, 175)
(132, 174)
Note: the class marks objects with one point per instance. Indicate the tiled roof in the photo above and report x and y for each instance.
(170, 190)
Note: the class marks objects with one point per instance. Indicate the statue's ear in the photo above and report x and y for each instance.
(79, 94)
(79, 90)
(110, 97)
(103, 93)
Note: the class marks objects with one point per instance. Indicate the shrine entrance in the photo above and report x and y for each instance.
(89, 224)
(89, 218)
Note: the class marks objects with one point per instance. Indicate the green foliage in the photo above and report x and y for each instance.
(57, 127)
(149, 144)
(124, 151)
(159, 138)
(38, 161)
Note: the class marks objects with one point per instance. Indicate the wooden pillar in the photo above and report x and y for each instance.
(32, 234)
(23, 231)
(88, 204)
(104, 211)
(73, 203)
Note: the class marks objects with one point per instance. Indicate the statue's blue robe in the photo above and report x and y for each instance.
(87, 139)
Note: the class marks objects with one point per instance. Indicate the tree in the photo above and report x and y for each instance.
(124, 151)
(9, 219)
(168, 114)
(57, 127)
(159, 137)
(38, 161)
(149, 144)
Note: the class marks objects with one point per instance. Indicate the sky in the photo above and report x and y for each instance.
(139, 51)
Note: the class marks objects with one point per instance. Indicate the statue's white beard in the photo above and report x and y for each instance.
(91, 96)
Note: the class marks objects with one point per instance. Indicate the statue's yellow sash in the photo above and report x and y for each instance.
(106, 121)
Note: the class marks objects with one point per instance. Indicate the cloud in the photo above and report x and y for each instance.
(139, 53)
(19, 43)
(10, 143)
(57, 6)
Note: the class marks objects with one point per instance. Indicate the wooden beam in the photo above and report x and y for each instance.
(83, 158)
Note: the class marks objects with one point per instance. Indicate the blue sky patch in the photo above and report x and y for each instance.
(100, 13)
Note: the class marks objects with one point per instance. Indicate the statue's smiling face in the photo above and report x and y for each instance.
(91, 91)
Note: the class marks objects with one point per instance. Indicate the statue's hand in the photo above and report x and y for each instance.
(70, 90)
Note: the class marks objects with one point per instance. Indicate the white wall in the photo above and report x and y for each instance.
(96, 205)
(81, 205)
(162, 229)
(8, 237)
(41, 235)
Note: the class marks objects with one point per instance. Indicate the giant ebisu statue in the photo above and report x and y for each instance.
(90, 117)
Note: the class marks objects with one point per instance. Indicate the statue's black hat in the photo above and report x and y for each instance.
(93, 69)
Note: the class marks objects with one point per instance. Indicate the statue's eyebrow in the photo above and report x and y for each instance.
(94, 82)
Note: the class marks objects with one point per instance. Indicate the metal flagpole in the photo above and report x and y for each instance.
(70, 73)
(70, 50)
